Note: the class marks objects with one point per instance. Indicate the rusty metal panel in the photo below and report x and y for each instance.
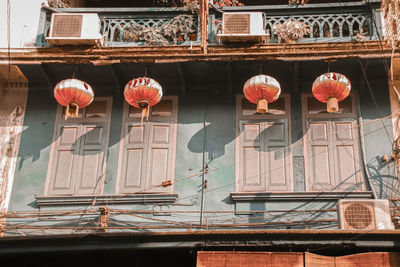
(374, 259)
(248, 259)
(314, 260)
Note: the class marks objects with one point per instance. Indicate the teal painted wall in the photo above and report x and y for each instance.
(33, 155)
(206, 135)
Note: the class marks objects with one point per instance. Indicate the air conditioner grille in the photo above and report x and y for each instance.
(67, 26)
(237, 24)
(359, 216)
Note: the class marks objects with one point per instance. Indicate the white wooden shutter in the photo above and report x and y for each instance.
(276, 144)
(319, 155)
(159, 156)
(91, 159)
(251, 157)
(77, 157)
(264, 156)
(333, 155)
(147, 155)
(133, 159)
(347, 155)
(64, 160)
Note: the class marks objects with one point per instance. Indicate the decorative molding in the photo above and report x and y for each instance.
(42, 201)
(299, 196)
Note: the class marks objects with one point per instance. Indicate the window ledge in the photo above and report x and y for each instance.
(298, 196)
(106, 200)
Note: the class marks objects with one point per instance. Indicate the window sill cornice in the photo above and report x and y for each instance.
(162, 198)
(299, 196)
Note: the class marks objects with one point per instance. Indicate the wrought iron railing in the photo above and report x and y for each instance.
(334, 22)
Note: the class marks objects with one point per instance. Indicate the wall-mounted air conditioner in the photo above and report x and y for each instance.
(361, 214)
(242, 27)
(75, 29)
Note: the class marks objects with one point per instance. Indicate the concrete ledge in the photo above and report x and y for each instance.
(109, 200)
(299, 196)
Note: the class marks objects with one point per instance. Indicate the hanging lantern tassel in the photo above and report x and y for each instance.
(332, 105)
(261, 90)
(145, 112)
(72, 111)
(262, 106)
(73, 94)
(331, 88)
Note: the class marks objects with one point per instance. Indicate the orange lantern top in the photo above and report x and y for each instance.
(73, 94)
(331, 88)
(143, 93)
(261, 90)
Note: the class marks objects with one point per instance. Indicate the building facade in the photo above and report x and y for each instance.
(204, 170)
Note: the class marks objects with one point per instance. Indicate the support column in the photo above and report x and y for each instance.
(13, 94)
(394, 88)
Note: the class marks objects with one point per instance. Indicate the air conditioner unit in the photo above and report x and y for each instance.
(242, 27)
(361, 214)
(75, 29)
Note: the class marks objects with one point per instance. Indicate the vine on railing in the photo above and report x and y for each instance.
(58, 3)
(325, 26)
(291, 31)
(195, 3)
(151, 31)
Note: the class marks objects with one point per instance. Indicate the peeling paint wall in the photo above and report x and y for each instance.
(12, 109)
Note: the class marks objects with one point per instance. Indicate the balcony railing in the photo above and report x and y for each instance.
(335, 22)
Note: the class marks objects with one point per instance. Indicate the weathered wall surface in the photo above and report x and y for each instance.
(13, 93)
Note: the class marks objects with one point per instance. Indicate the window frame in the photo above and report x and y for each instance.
(263, 118)
(60, 120)
(172, 122)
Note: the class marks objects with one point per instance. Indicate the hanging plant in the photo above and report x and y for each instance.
(58, 3)
(194, 4)
(298, 2)
(291, 31)
(142, 33)
(178, 29)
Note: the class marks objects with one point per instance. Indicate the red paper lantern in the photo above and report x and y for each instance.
(73, 94)
(143, 93)
(331, 88)
(261, 90)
